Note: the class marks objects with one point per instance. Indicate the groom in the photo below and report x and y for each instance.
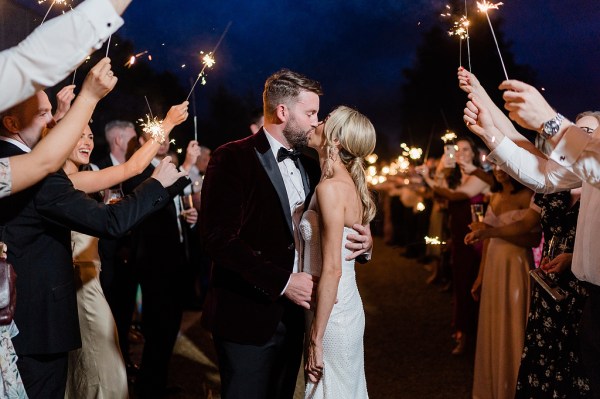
(253, 196)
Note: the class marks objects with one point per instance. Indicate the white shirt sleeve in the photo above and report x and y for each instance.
(579, 152)
(539, 174)
(53, 50)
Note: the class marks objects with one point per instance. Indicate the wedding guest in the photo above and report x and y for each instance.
(24, 170)
(503, 280)
(97, 368)
(117, 278)
(36, 226)
(341, 199)
(55, 48)
(158, 249)
(550, 365)
(461, 190)
(252, 193)
(572, 163)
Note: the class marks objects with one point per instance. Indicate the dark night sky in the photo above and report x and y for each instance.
(358, 48)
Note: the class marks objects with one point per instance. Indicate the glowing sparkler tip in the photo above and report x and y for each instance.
(208, 59)
(449, 136)
(153, 128)
(485, 5)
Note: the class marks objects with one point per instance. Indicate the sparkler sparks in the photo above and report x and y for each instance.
(133, 58)
(208, 61)
(152, 126)
(434, 241)
(413, 153)
(484, 6)
(449, 136)
(57, 2)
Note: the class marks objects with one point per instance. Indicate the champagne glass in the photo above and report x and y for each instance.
(113, 195)
(556, 246)
(477, 212)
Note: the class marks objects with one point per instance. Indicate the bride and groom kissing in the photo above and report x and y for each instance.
(275, 222)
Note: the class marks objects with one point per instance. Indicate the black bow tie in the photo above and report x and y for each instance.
(291, 154)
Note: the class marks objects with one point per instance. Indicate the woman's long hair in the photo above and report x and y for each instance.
(356, 136)
(455, 176)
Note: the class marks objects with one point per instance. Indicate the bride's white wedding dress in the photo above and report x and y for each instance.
(343, 352)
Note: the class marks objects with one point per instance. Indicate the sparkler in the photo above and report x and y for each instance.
(449, 136)
(152, 126)
(134, 57)
(434, 241)
(413, 153)
(208, 61)
(108, 45)
(50, 8)
(484, 6)
(461, 29)
(420, 207)
(466, 25)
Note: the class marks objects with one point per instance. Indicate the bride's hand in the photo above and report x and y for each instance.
(314, 362)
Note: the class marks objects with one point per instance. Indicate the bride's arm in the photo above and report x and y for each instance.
(93, 181)
(332, 227)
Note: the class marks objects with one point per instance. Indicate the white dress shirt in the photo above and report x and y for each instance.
(571, 164)
(53, 50)
(295, 192)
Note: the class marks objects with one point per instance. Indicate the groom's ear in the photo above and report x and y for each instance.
(282, 112)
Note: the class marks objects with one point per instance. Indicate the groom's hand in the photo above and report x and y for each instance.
(360, 243)
(302, 289)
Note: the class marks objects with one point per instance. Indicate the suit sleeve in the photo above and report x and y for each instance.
(59, 202)
(223, 208)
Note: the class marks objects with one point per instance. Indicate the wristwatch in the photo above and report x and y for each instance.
(551, 127)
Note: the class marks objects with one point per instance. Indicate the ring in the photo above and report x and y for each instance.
(109, 73)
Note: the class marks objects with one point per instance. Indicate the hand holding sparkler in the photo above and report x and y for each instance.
(191, 155)
(99, 81)
(479, 121)
(526, 105)
(63, 101)
(177, 115)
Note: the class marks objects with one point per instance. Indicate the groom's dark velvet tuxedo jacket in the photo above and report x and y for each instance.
(246, 226)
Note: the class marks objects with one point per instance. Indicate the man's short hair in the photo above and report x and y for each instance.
(113, 126)
(284, 86)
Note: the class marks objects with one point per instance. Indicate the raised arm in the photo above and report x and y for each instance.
(469, 83)
(93, 181)
(52, 151)
(332, 227)
(56, 48)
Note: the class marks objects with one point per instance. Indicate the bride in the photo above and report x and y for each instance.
(334, 355)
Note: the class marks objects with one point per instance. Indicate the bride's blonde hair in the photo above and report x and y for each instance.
(356, 136)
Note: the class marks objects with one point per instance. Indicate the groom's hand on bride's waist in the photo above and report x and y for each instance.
(360, 244)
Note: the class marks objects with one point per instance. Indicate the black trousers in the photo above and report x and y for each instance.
(589, 337)
(261, 372)
(44, 376)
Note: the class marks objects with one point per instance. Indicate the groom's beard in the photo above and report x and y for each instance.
(295, 136)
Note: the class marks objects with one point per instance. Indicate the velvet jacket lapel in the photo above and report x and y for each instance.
(268, 162)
